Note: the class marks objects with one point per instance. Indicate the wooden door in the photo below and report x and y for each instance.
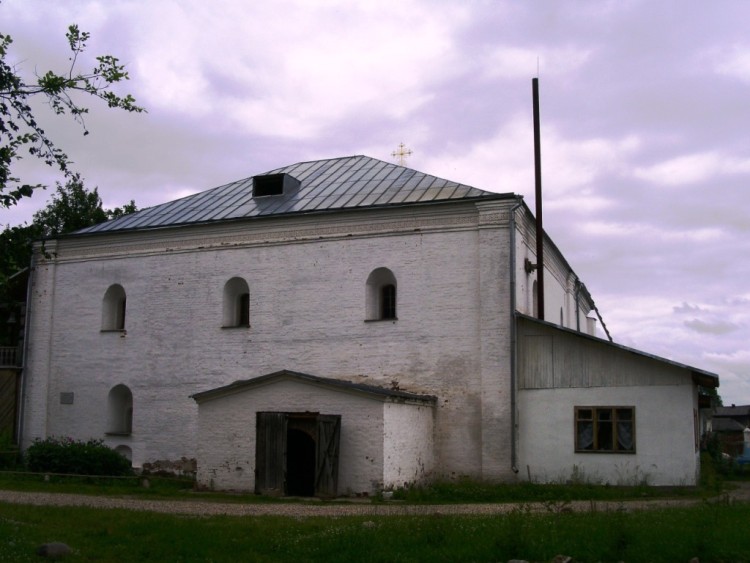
(270, 453)
(327, 455)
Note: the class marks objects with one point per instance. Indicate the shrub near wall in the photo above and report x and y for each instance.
(65, 455)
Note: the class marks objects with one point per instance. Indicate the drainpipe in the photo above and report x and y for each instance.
(512, 223)
(25, 350)
(577, 293)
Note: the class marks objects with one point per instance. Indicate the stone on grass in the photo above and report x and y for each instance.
(53, 550)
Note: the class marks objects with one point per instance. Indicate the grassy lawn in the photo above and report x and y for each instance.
(710, 531)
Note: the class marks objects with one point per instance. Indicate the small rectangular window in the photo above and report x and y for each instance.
(605, 429)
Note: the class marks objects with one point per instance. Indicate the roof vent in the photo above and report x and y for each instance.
(274, 184)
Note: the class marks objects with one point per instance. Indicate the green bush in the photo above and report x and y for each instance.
(65, 455)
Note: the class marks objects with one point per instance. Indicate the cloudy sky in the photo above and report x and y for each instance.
(645, 110)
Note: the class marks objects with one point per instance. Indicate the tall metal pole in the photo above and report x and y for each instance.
(538, 195)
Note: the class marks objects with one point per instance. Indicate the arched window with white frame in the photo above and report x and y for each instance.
(236, 312)
(113, 308)
(381, 295)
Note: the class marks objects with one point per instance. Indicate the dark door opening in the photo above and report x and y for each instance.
(297, 454)
(300, 463)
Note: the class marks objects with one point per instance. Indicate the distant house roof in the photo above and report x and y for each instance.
(733, 411)
(342, 385)
(726, 425)
(352, 182)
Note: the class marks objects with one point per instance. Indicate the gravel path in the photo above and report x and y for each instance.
(300, 510)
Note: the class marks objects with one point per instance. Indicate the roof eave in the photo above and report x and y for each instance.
(303, 213)
(337, 384)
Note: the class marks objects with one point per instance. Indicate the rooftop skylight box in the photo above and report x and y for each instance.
(274, 185)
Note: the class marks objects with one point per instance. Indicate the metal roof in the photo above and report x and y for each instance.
(739, 410)
(701, 377)
(352, 182)
(286, 374)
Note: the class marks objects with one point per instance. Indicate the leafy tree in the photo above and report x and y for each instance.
(71, 208)
(712, 392)
(20, 131)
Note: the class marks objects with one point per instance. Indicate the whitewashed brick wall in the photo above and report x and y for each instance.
(408, 444)
(307, 310)
(227, 435)
(664, 436)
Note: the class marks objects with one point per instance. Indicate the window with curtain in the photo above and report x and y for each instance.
(605, 429)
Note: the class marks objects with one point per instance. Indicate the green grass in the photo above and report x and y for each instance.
(712, 532)
(467, 491)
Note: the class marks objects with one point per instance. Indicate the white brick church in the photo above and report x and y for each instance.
(339, 327)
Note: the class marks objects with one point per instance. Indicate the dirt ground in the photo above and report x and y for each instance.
(318, 508)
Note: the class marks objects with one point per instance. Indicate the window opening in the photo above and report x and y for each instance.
(125, 452)
(388, 302)
(380, 295)
(121, 308)
(236, 311)
(244, 309)
(114, 305)
(120, 411)
(605, 429)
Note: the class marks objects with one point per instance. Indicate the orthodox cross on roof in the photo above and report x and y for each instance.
(401, 154)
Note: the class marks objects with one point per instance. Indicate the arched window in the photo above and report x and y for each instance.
(236, 303)
(125, 452)
(381, 295)
(113, 308)
(120, 410)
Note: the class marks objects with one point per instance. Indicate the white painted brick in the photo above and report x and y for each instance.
(307, 300)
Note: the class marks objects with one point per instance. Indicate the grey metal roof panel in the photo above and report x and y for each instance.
(372, 390)
(726, 425)
(739, 410)
(352, 182)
